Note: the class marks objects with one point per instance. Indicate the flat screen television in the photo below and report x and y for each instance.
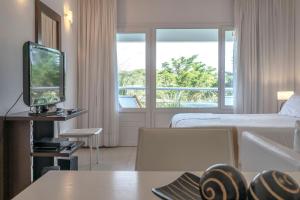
(43, 75)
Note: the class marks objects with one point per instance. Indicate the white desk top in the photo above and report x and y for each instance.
(86, 185)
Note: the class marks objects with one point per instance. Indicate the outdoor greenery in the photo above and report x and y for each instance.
(45, 77)
(187, 74)
(45, 69)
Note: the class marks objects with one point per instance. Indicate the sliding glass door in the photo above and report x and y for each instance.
(164, 71)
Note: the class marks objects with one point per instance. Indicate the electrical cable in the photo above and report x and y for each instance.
(12, 106)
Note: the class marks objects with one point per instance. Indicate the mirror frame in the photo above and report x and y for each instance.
(40, 8)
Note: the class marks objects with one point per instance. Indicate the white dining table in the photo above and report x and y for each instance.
(104, 185)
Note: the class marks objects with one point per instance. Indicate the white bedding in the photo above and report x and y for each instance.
(277, 127)
(237, 120)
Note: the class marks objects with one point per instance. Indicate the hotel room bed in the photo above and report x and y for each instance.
(285, 119)
(274, 126)
(239, 120)
(279, 128)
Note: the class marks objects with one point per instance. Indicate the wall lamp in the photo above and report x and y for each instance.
(69, 16)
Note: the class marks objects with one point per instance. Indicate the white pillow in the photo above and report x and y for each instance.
(291, 107)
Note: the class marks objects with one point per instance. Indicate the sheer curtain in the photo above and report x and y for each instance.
(264, 54)
(97, 70)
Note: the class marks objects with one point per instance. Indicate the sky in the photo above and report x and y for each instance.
(132, 55)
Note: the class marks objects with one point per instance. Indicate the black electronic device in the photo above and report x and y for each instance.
(43, 77)
(71, 111)
(52, 144)
(70, 163)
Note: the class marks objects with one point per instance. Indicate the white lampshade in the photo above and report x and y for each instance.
(284, 95)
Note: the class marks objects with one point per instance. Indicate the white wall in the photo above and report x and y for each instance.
(141, 12)
(16, 27)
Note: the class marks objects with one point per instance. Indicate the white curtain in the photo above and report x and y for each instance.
(265, 53)
(97, 70)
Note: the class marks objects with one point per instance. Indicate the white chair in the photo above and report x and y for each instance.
(85, 133)
(129, 102)
(258, 153)
(183, 149)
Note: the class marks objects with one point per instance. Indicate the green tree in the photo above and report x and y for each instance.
(228, 79)
(189, 73)
(45, 73)
(45, 69)
(134, 77)
(186, 72)
(178, 72)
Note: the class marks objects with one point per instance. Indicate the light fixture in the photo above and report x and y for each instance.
(69, 16)
(21, 1)
(284, 95)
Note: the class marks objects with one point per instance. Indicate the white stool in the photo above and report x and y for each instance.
(85, 133)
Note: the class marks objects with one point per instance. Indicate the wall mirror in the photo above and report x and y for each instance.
(47, 26)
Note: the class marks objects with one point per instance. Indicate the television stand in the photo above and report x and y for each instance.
(19, 164)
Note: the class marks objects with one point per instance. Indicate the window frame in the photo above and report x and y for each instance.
(150, 71)
(224, 29)
(147, 89)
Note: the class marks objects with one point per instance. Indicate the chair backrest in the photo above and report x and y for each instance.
(129, 102)
(184, 149)
(258, 153)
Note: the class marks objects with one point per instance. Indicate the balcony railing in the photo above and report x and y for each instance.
(174, 102)
(176, 89)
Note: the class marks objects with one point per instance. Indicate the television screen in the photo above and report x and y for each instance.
(43, 75)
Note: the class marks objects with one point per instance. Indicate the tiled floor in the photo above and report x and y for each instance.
(115, 159)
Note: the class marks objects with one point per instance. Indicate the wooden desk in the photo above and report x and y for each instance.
(16, 135)
(60, 185)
